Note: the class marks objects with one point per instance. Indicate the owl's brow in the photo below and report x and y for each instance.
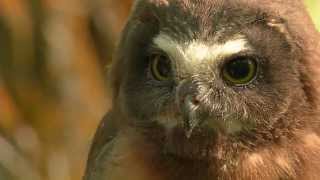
(195, 50)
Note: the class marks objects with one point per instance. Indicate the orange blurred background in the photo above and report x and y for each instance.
(53, 56)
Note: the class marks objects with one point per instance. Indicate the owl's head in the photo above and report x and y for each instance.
(199, 75)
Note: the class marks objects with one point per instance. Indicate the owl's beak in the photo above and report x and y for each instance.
(189, 111)
(188, 104)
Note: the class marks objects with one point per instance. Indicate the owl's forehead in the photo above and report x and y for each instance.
(201, 30)
(207, 29)
(202, 19)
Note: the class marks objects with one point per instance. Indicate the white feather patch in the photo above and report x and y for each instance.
(197, 50)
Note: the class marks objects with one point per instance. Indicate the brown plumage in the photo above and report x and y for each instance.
(213, 90)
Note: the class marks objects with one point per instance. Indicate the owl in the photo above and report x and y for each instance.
(212, 90)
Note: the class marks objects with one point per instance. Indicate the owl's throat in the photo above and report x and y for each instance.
(198, 145)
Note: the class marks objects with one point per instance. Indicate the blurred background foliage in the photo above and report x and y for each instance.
(53, 55)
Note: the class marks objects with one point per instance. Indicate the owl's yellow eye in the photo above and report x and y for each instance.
(161, 67)
(240, 71)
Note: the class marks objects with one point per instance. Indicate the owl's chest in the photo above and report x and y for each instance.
(131, 160)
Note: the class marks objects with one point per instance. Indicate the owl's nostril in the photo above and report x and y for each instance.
(191, 100)
(195, 101)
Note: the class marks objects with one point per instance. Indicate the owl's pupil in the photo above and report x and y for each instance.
(163, 66)
(238, 69)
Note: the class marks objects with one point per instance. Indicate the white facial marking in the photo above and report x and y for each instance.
(198, 51)
(168, 45)
(230, 47)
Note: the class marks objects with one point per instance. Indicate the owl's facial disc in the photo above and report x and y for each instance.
(200, 70)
